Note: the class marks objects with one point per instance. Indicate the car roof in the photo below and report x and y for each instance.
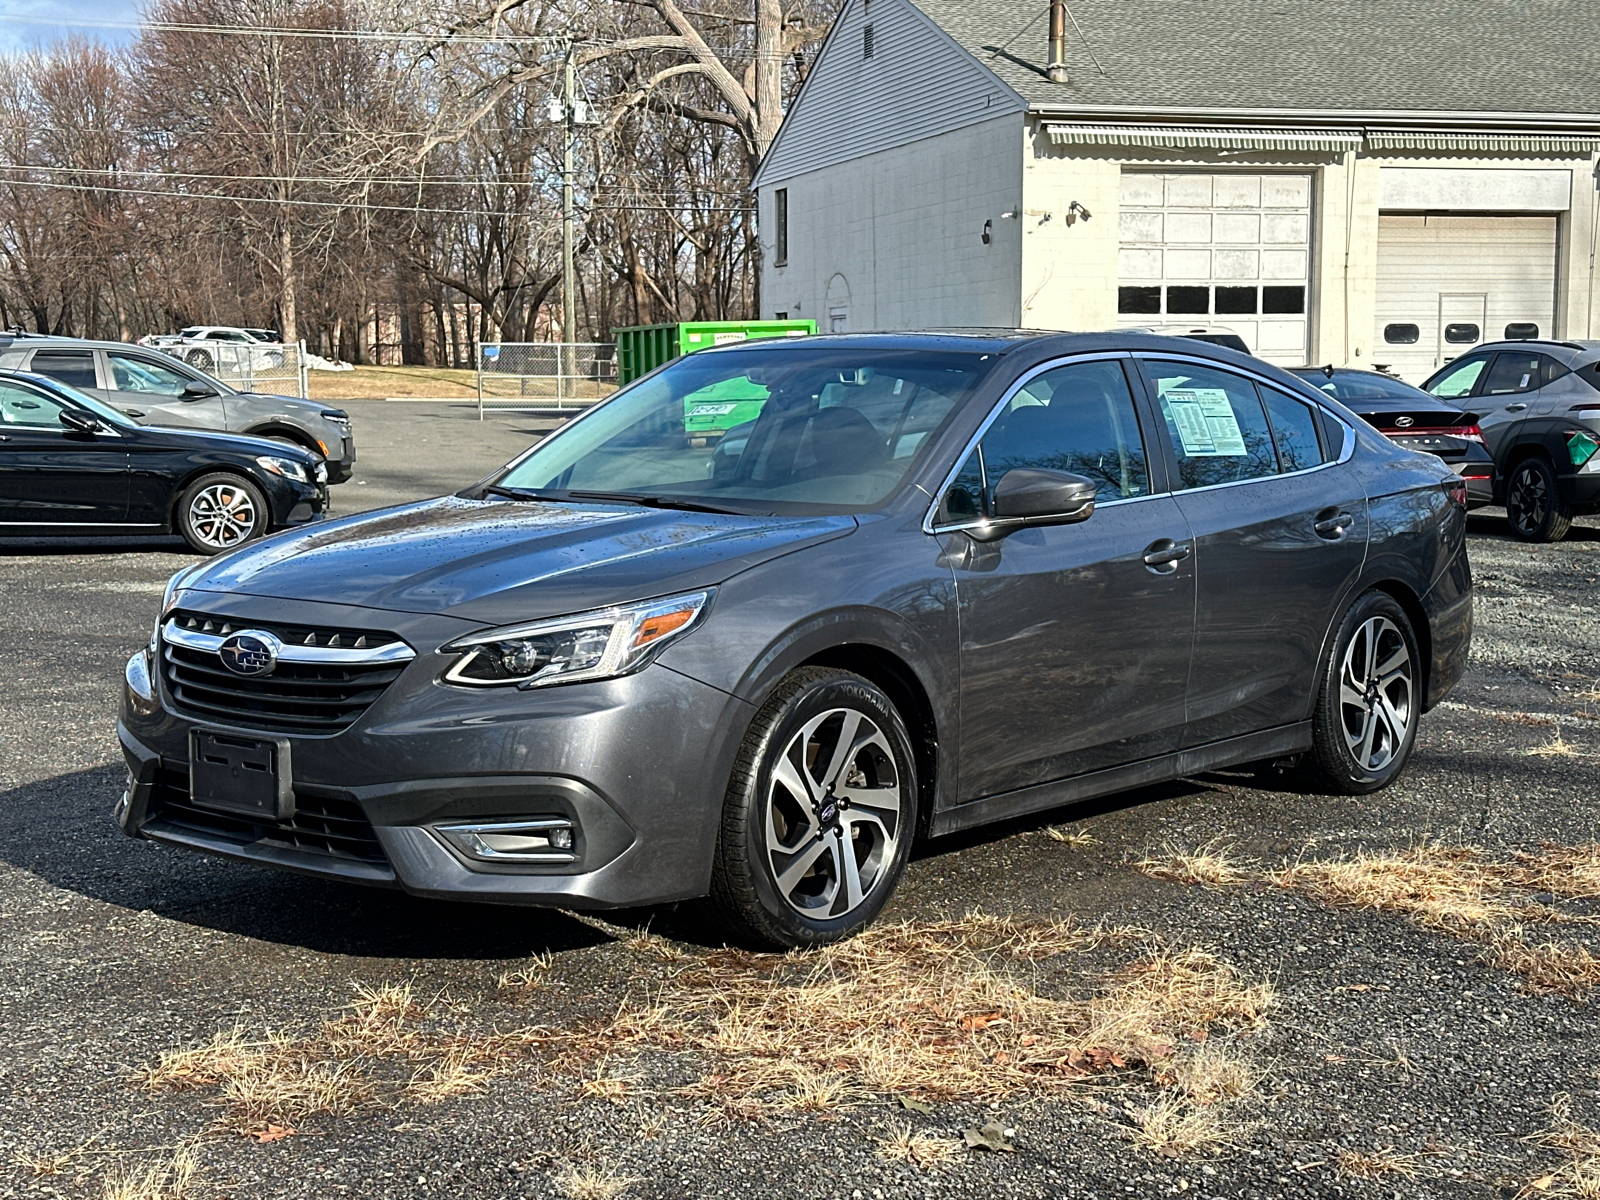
(25, 340)
(1567, 353)
(996, 341)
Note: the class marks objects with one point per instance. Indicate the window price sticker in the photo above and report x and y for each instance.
(1205, 422)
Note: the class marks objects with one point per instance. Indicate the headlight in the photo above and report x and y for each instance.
(168, 599)
(337, 418)
(592, 645)
(287, 467)
(322, 472)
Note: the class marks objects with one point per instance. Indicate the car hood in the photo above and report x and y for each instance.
(499, 561)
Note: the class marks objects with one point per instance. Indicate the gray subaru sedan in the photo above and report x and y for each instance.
(938, 580)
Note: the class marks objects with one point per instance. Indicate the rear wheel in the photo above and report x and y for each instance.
(1370, 700)
(220, 511)
(200, 360)
(819, 813)
(1533, 502)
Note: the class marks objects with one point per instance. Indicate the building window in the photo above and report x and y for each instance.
(777, 316)
(1283, 299)
(1188, 300)
(1142, 301)
(780, 231)
(1401, 334)
(866, 41)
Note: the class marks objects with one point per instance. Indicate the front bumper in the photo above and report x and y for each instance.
(637, 765)
(292, 502)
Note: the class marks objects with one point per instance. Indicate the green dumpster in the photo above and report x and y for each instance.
(712, 411)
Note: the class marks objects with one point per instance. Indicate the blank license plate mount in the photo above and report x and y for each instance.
(247, 776)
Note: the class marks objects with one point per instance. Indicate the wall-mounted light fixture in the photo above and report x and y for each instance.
(1076, 211)
(987, 227)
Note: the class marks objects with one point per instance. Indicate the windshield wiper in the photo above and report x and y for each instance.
(494, 489)
(647, 501)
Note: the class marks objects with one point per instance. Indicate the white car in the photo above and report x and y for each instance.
(202, 346)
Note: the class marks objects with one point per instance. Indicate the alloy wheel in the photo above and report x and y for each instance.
(223, 515)
(1376, 693)
(833, 814)
(1527, 498)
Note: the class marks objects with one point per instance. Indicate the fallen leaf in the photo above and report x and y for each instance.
(990, 1136)
(982, 1020)
(272, 1133)
(913, 1105)
(1543, 1183)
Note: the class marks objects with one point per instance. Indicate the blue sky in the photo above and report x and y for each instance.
(20, 35)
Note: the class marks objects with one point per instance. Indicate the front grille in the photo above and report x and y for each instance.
(322, 824)
(303, 695)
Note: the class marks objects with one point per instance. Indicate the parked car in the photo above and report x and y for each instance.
(1409, 417)
(948, 580)
(1212, 335)
(154, 389)
(206, 347)
(1539, 408)
(72, 466)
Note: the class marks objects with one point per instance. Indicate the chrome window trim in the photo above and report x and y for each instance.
(392, 652)
(82, 525)
(928, 525)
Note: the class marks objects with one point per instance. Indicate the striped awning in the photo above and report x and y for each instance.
(1179, 137)
(1526, 143)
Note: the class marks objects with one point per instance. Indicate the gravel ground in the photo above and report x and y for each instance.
(1385, 1036)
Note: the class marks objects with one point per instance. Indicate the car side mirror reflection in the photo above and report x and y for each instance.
(197, 389)
(78, 422)
(1037, 496)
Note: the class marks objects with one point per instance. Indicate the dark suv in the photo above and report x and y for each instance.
(1539, 410)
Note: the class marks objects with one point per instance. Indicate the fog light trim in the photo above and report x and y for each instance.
(524, 840)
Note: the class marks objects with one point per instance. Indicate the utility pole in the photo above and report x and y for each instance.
(569, 278)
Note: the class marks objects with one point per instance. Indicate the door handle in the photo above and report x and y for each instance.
(1515, 407)
(1331, 525)
(134, 412)
(1163, 557)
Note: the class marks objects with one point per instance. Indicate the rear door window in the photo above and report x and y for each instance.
(72, 367)
(1215, 422)
(1294, 430)
(1513, 372)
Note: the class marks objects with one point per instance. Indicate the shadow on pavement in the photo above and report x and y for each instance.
(60, 829)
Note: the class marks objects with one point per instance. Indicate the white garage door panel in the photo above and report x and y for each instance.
(1457, 267)
(1248, 234)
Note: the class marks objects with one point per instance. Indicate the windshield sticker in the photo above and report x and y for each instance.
(1205, 422)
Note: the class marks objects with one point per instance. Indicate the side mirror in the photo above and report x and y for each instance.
(1035, 496)
(77, 421)
(197, 389)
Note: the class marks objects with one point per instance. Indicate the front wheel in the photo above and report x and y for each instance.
(1533, 502)
(221, 511)
(1370, 700)
(819, 813)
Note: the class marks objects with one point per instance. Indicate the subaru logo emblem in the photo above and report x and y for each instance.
(250, 653)
(1405, 422)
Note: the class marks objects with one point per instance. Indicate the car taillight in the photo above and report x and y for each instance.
(1467, 433)
(1456, 489)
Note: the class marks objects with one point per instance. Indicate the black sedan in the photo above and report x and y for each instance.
(1409, 417)
(71, 465)
(945, 580)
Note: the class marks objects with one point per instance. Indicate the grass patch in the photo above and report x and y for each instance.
(1067, 836)
(1387, 1163)
(166, 1180)
(592, 1182)
(1456, 890)
(1579, 1147)
(919, 1150)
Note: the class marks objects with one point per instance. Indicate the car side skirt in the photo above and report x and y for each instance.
(1266, 743)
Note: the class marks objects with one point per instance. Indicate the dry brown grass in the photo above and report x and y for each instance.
(919, 1150)
(1067, 836)
(165, 1180)
(1579, 1145)
(1557, 747)
(592, 1182)
(1456, 890)
(531, 976)
(1210, 864)
(1174, 1126)
(1376, 1164)
(944, 1010)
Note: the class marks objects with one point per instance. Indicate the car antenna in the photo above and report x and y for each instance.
(1328, 370)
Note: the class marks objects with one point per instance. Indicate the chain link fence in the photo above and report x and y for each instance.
(275, 369)
(557, 377)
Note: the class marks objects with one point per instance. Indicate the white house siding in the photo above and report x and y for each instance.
(917, 84)
(894, 239)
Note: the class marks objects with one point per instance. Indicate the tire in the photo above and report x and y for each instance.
(1533, 502)
(797, 864)
(220, 511)
(1369, 702)
(200, 360)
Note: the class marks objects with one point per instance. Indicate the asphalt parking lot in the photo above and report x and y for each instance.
(1422, 1027)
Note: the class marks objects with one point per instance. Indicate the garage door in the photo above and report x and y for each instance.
(1446, 283)
(1219, 250)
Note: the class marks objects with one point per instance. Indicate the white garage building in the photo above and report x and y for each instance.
(1358, 183)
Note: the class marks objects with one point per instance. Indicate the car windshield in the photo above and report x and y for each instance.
(777, 429)
(1355, 388)
(82, 400)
